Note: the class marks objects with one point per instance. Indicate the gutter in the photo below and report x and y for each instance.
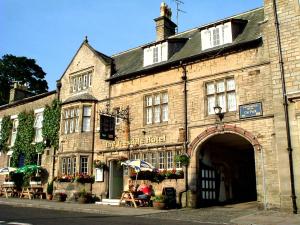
(285, 106)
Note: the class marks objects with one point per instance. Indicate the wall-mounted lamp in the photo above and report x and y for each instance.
(218, 112)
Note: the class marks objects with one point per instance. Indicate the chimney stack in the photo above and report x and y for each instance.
(19, 92)
(164, 26)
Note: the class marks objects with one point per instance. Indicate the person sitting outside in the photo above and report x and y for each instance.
(145, 193)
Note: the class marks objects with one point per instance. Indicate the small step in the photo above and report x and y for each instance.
(109, 202)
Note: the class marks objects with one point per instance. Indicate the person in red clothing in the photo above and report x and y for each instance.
(146, 192)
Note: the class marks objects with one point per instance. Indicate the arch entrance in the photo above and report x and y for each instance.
(225, 165)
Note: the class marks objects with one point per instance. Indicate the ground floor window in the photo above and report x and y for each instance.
(83, 164)
(68, 166)
(162, 160)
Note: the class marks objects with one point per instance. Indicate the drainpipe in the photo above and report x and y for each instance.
(184, 79)
(285, 105)
(93, 144)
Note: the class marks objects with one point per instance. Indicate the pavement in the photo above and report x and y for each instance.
(237, 214)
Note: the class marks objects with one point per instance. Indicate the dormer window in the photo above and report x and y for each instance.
(216, 36)
(156, 53)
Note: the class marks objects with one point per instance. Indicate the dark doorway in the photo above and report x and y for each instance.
(226, 171)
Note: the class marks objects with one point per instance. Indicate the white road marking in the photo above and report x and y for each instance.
(17, 223)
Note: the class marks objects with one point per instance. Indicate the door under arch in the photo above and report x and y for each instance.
(226, 171)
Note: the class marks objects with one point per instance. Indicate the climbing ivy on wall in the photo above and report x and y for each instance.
(5, 133)
(23, 144)
(51, 124)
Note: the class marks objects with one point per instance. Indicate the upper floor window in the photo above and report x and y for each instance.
(81, 82)
(156, 108)
(215, 36)
(221, 93)
(86, 118)
(38, 125)
(14, 131)
(71, 120)
(155, 54)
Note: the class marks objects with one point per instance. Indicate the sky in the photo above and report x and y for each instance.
(51, 31)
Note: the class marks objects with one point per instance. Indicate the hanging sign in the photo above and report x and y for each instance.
(251, 110)
(107, 127)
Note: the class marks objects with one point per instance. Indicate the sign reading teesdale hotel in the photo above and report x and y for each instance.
(136, 141)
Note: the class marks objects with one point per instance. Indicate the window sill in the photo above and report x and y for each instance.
(156, 124)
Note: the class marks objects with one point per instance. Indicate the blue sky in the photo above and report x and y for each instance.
(51, 31)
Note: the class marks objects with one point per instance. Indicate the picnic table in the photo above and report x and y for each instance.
(129, 196)
(9, 188)
(34, 191)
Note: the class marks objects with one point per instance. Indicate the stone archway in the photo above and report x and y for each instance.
(223, 165)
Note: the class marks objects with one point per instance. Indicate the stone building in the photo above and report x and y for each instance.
(163, 97)
(20, 102)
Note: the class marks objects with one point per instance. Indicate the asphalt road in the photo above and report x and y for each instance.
(35, 216)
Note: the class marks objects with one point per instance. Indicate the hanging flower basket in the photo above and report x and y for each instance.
(184, 159)
(100, 164)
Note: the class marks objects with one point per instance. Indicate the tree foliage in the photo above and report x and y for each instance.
(23, 70)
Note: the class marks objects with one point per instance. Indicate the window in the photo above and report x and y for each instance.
(136, 156)
(161, 158)
(83, 164)
(81, 82)
(215, 36)
(222, 93)
(14, 131)
(170, 160)
(178, 164)
(145, 157)
(153, 159)
(156, 108)
(86, 119)
(68, 166)
(38, 125)
(155, 54)
(71, 120)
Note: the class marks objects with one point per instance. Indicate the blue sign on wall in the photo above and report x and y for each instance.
(251, 110)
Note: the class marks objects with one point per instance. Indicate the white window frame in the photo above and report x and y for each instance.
(84, 162)
(71, 120)
(14, 130)
(170, 160)
(80, 82)
(86, 118)
(38, 125)
(161, 160)
(215, 95)
(156, 108)
(68, 165)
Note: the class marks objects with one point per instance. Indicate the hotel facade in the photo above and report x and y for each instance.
(163, 96)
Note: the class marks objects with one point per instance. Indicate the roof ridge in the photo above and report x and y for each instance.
(190, 30)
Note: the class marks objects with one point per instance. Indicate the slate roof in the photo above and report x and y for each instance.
(80, 97)
(131, 62)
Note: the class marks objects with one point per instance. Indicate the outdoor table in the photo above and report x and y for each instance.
(34, 190)
(9, 188)
(128, 196)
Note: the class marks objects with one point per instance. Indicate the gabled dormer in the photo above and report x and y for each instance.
(221, 33)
